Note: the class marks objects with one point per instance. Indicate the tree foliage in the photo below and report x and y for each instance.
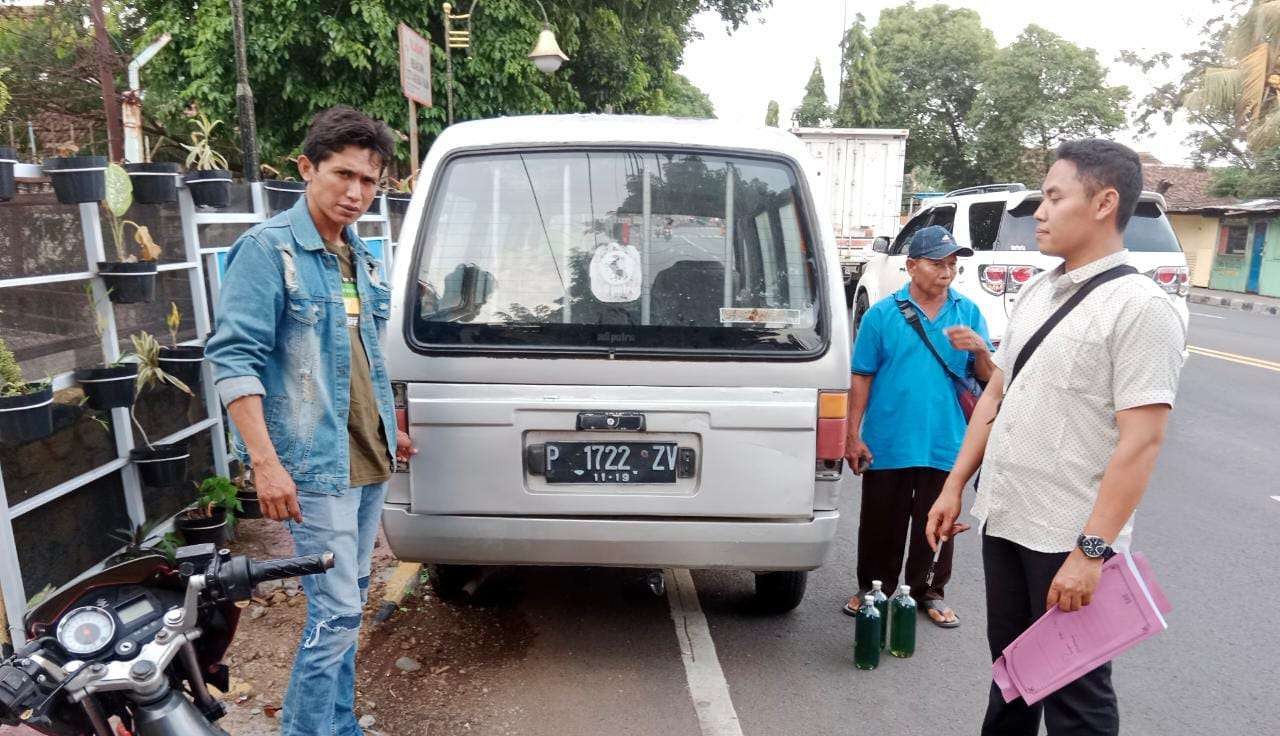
(1036, 93)
(862, 88)
(813, 109)
(771, 114)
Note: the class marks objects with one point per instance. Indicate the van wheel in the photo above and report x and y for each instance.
(448, 580)
(779, 592)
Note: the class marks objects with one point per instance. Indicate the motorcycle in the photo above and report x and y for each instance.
(141, 641)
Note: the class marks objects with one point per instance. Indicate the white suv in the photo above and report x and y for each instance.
(996, 221)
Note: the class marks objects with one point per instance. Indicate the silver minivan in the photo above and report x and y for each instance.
(618, 341)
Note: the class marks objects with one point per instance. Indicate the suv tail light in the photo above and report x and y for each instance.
(833, 424)
(998, 279)
(1175, 280)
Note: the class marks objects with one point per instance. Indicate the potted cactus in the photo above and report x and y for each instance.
(282, 190)
(180, 361)
(154, 182)
(76, 179)
(214, 512)
(26, 407)
(129, 279)
(207, 176)
(106, 385)
(163, 464)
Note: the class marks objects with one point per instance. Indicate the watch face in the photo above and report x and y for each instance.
(1093, 546)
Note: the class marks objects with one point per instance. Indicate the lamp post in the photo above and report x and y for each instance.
(546, 54)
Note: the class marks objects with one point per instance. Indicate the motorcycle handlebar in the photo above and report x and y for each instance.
(289, 567)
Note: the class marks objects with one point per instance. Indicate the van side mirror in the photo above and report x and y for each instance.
(880, 245)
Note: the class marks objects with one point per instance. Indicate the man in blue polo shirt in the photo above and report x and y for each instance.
(905, 421)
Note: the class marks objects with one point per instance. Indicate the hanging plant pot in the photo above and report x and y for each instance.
(78, 179)
(28, 416)
(211, 188)
(183, 363)
(8, 158)
(129, 283)
(281, 195)
(250, 506)
(399, 203)
(196, 528)
(162, 465)
(154, 183)
(108, 387)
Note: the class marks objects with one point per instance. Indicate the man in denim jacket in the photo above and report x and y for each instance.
(298, 362)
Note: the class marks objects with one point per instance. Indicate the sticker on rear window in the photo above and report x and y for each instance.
(615, 273)
(765, 317)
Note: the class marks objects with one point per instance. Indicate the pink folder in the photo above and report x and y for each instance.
(1127, 607)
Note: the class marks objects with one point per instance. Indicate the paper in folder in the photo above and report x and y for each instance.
(1127, 607)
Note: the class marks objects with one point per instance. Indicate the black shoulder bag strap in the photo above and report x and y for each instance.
(1030, 348)
(913, 318)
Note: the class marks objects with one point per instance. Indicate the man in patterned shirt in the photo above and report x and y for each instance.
(1067, 450)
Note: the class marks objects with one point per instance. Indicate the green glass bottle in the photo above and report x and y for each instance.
(866, 635)
(902, 623)
(882, 605)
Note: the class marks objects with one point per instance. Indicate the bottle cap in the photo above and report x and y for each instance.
(905, 590)
(876, 585)
(870, 600)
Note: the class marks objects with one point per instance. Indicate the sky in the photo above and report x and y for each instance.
(772, 57)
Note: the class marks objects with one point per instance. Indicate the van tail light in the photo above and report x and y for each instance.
(998, 279)
(1175, 280)
(833, 424)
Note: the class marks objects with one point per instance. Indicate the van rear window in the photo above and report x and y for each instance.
(617, 251)
(1148, 230)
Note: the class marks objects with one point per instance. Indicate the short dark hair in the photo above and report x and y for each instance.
(1102, 163)
(340, 126)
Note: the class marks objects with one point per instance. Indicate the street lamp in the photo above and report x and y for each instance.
(546, 53)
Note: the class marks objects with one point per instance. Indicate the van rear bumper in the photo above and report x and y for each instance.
(490, 540)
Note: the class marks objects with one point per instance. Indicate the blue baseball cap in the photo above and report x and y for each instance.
(935, 243)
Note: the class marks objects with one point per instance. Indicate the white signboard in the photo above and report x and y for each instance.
(415, 66)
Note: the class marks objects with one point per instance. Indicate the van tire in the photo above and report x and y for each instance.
(779, 592)
(448, 580)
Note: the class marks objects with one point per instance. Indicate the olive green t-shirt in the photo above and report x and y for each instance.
(370, 460)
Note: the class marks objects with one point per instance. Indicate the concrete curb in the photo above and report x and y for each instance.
(1243, 304)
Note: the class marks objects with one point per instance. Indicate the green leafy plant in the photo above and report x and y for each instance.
(201, 155)
(119, 199)
(168, 546)
(217, 492)
(277, 172)
(147, 350)
(40, 597)
(11, 381)
(402, 186)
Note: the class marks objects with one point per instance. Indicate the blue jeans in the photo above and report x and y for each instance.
(322, 687)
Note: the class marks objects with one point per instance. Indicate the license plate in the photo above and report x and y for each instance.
(611, 462)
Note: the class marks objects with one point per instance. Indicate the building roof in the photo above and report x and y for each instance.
(1184, 188)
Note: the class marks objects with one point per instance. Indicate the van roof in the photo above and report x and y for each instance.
(616, 129)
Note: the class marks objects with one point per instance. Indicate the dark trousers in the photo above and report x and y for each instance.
(1018, 581)
(892, 500)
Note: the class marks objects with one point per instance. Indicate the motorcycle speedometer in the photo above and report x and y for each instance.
(86, 631)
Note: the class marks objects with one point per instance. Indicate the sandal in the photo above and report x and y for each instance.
(852, 610)
(940, 606)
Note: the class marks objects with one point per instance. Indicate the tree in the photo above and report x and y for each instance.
(1249, 86)
(862, 84)
(813, 108)
(1036, 93)
(683, 99)
(933, 59)
(771, 114)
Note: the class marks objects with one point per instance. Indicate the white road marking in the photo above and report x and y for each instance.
(707, 686)
(1209, 316)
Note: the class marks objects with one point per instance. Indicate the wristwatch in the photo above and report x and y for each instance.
(1095, 548)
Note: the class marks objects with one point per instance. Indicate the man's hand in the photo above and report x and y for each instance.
(858, 455)
(1075, 582)
(942, 524)
(404, 447)
(964, 338)
(277, 494)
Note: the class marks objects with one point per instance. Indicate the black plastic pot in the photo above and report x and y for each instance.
(108, 387)
(211, 530)
(250, 506)
(154, 183)
(210, 188)
(183, 363)
(8, 157)
(78, 179)
(281, 195)
(27, 417)
(399, 203)
(129, 283)
(162, 465)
